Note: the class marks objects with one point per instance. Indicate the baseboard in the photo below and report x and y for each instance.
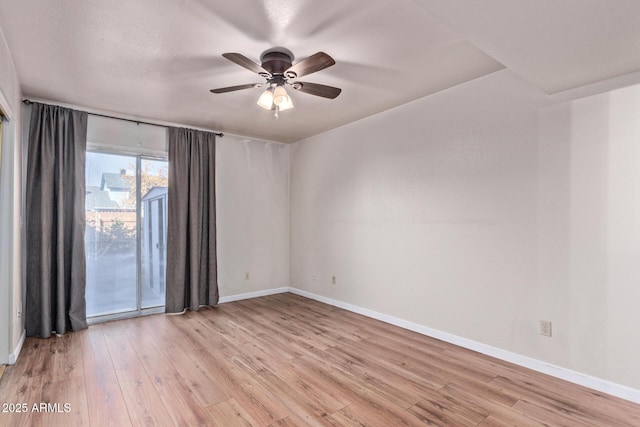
(249, 295)
(13, 357)
(614, 389)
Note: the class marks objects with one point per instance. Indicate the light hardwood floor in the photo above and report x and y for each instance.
(284, 360)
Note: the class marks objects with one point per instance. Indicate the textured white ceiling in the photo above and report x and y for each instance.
(555, 44)
(158, 59)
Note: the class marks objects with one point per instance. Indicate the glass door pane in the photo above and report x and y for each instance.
(126, 213)
(110, 235)
(153, 185)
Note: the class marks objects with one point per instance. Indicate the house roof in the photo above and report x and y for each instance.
(155, 192)
(96, 198)
(115, 181)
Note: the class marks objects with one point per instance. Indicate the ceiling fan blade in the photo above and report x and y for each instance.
(239, 87)
(316, 62)
(245, 62)
(317, 89)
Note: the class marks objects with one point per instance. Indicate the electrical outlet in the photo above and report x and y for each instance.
(246, 276)
(545, 328)
(333, 280)
(18, 314)
(315, 277)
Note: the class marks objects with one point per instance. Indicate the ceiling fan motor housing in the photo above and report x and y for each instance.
(277, 60)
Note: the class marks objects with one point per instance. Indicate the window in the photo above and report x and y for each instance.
(125, 234)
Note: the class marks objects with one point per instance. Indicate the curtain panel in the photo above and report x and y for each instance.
(55, 221)
(191, 221)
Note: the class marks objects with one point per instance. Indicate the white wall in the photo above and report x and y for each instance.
(104, 133)
(589, 233)
(479, 211)
(10, 210)
(252, 215)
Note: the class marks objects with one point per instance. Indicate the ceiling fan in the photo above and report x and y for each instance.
(278, 70)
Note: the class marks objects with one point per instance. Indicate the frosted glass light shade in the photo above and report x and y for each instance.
(288, 104)
(280, 96)
(266, 99)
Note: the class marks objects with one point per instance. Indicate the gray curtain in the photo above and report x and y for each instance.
(191, 221)
(55, 221)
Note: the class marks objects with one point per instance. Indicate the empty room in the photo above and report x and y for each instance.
(320, 213)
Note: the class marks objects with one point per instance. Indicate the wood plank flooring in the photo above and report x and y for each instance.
(283, 360)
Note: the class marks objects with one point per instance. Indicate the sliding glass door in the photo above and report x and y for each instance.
(153, 249)
(125, 234)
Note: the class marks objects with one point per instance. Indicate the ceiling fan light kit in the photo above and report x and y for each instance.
(278, 69)
(275, 98)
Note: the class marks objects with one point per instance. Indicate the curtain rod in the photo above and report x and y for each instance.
(29, 102)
